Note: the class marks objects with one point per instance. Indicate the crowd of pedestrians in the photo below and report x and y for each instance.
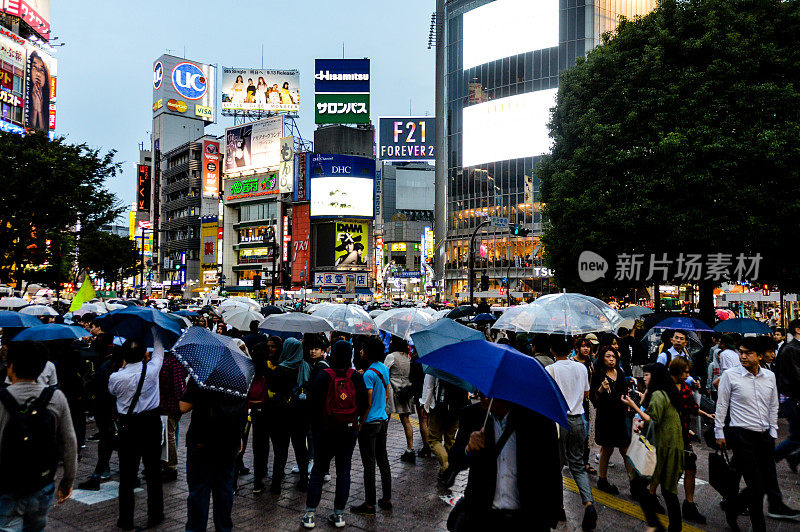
(323, 395)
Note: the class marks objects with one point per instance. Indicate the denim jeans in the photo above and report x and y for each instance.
(791, 408)
(27, 513)
(209, 473)
(572, 443)
(332, 444)
(372, 445)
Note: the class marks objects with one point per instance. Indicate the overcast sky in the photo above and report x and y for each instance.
(105, 68)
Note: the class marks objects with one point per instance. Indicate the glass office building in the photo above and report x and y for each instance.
(502, 62)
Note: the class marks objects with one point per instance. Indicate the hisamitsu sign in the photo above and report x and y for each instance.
(406, 138)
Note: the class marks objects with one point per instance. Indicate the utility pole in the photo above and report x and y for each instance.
(472, 261)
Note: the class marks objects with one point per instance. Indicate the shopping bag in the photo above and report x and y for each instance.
(642, 456)
(721, 475)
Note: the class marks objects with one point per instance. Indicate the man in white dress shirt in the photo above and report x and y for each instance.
(136, 387)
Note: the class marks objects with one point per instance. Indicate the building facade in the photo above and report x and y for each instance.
(501, 64)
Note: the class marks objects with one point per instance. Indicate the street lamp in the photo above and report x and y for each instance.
(472, 261)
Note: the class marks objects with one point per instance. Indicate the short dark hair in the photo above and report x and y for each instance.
(398, 344)
(623, 331)
(793, 326)
(680, 331)
(133, 351)
(373, 348)
(753, 343)
(28, 359)
(541, 343)
(254, 326)
(769, 343)
(341, 355)
(558, 345)
(780, 330)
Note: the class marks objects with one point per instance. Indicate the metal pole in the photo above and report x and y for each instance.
(141, 270)
(440, 219)
(472, 261)
(275, 250)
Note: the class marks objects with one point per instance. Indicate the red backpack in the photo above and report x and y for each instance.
(340, 406)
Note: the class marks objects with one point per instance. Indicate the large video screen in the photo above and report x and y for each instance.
(259, 90)
(342, 186)
(507, 128)
(508, 27)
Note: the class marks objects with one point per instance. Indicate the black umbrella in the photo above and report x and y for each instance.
(462, 311)
(271, 309)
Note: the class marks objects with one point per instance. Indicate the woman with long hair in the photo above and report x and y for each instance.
(261, 91)
(286, 95)
(251, 91)
(238, 90)
(661, 405)
(583, 355)
(608, 386)
(401, 398)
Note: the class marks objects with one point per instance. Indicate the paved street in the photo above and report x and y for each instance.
(418, 503)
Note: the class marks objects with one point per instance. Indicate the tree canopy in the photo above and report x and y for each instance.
(680, 133)
(53, 193)
(109, 256)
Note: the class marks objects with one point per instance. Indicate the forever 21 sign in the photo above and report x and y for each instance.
(407, 138)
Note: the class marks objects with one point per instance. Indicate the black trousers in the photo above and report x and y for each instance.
(753, 456)
(289, 424)
(140, 442)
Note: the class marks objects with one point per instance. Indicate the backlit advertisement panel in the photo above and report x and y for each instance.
(35, 13)
(143, 183)
(351, 243)
(341, 88)
(208, 239)
(508, 27)
(12, 49)
(210, 168)
(254, 147)
(40, 90)
(341, 186)
(184, 88)
(522, 119)
(406, 138)
(301, 237)
(259, 90)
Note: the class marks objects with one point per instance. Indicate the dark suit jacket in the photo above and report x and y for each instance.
(787, 369)
(538, 465)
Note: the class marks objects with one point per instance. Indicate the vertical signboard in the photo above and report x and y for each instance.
(286, 175)
(208, 239)
(210, 168)
(40, 90)
(341, 90)
(378, 192)
(286, 239)
(379, 260)
(428, 245)
(143, 188)
(301, 231)
(301, 185)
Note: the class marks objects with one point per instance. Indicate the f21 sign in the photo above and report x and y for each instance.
(406, 138)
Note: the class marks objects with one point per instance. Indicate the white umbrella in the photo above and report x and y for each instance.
(375, 313)
(38, 310)
(439, 314)
(564, 313)
(403, 321)
(241, 299)
(12, 302)
(351, 319)
(240, 318)
(427, 310)
(90, 308)
(296, 322)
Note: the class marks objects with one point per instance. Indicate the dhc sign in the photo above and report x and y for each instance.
(189, 81)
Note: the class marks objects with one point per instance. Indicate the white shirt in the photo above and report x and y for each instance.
(506, 491)
(665, 357)
(123, 383)
(752, 400)
(428, 399)
(728, 359)
(573, 381)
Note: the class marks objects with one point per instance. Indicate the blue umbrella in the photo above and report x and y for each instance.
(635, 312)
(484, 317)
(214, 361)
(15, 319)
(442, 333)
(743, 326)
(51, 331)
(502, 372)
(687, 324)
(187, 313)
(136, 322)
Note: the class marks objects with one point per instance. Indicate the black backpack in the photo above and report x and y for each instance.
(450, 400)
(29, 452)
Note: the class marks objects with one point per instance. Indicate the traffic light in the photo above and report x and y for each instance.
(765, 290)
(518, 230)
(256, 282)
(484, 282)
(286, 277)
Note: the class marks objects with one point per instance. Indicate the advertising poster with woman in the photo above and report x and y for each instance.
(260, 90)
(40, 90)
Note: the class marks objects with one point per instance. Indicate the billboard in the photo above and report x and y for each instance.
(35, 13)
(301, 178)
(341, 91)
(254, 147)
(259, 90)
(143, 188)
(508, 27)
(301, 238)
(40, 90)
(184, 88)
(208, 240)
(340, 280)
(210, 168)
(414, 189)
(351, 243)
(286, 180)
(249, 187)
(522, 119)
(341, 186)
(406, 138)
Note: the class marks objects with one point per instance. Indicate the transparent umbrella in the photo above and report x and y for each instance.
(90, 308)
(375, 313)
(295, 322)
(351, 319)
(403, 321)
(564, 313)
(439, 314)
(38, 310)
(12, 302)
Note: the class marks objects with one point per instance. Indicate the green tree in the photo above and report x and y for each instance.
(680, 133)
(52, 192)
(108, 256)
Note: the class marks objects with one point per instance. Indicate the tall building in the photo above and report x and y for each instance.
(500, 69)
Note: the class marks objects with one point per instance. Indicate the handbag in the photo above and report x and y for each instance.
(721, 475)
(122, 427)
(642, 454)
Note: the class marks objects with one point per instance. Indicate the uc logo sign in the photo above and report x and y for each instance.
(189, 81)
(158, 75)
